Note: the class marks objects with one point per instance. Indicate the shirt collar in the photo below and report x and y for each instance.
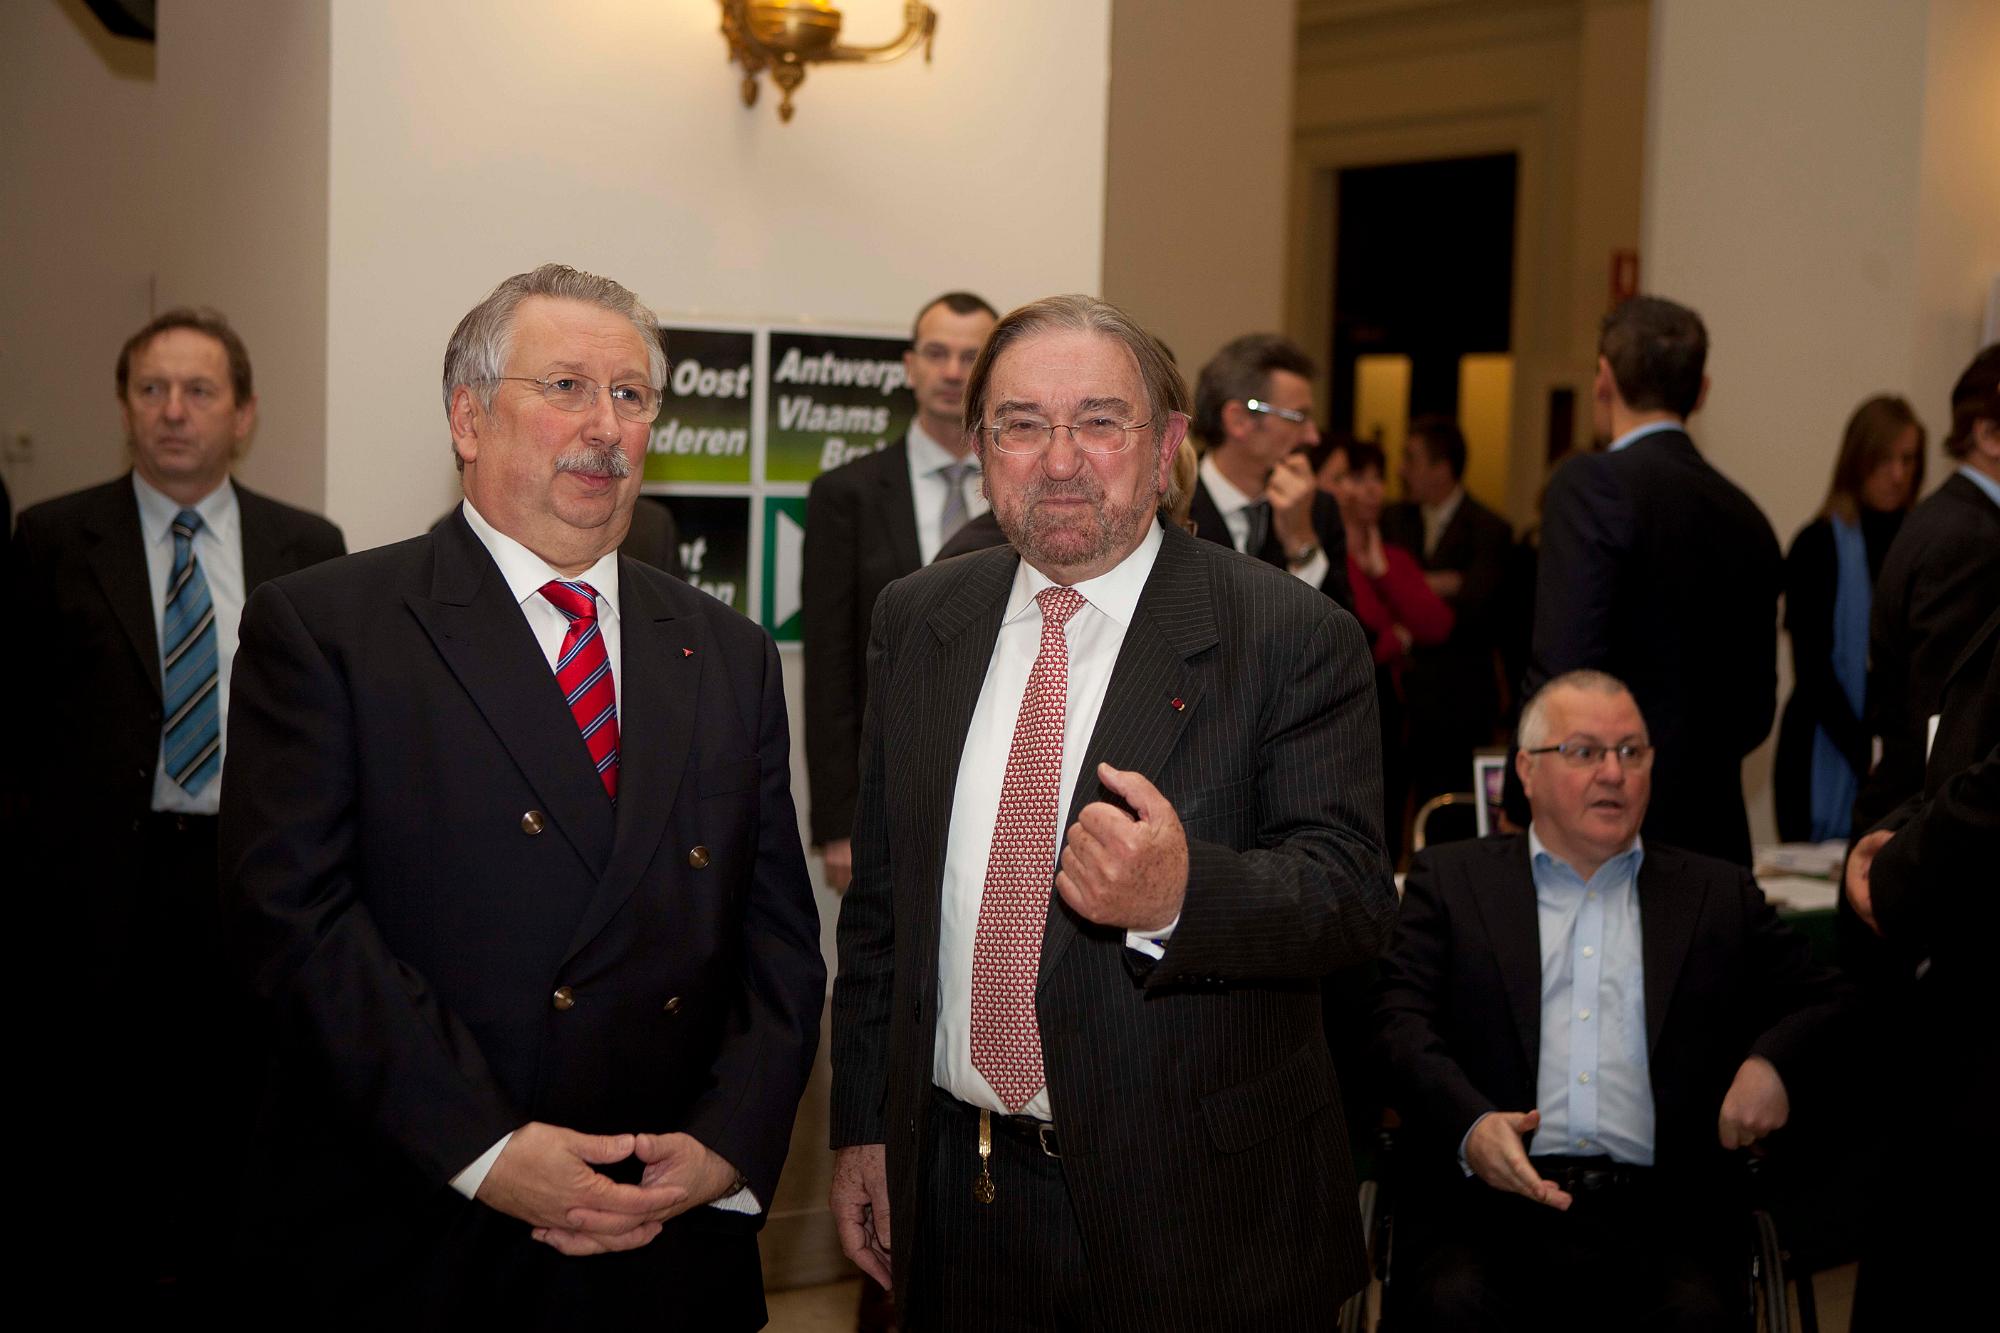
(526, 572)
(1625, 863)
(1650, 428)
(157, 509)
(1114, 592)
(1440, 513)
(928, 456)
(1221, 490)
(1981, 480)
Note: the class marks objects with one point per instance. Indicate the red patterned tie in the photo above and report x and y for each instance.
(1007, 946)
(583, 670)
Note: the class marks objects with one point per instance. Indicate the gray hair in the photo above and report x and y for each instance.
(1533, 733)
(1166, 391)
(476, 356)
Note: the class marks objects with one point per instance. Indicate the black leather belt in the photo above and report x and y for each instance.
(1590, 1175)
(1026, 1128)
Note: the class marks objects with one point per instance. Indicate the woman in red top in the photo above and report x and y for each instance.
(1397, 609)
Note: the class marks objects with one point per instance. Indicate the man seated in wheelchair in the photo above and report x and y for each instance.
(1581, 1028)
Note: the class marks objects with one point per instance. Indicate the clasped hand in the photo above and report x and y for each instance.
(1122, 870)
(547, 1177)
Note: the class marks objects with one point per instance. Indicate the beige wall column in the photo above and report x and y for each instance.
(74, 162)
(239, 209)
(1195, 204)
(1823, 184)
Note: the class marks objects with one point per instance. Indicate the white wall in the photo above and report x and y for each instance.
(1823, 185)
(74, 170)
(471, 140)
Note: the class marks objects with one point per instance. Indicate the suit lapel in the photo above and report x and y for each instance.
(479, 631)
(661, 656)
(1139, 726)
(1669, 906)
(1507, 906)
(117, 556)
(263, 557)
(1208, 524)
(965, 624)
(899, 506)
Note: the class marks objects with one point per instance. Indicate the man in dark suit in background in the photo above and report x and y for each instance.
(1922, 880)
(510, 830)
(1093, 1092)
(868, 523)
(1452, 689)
(1939, 582)
(1657, 569)
(1253, 406)
(1579, 1031)
(133, 590)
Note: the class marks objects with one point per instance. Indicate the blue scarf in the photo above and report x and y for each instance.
(1834, 781)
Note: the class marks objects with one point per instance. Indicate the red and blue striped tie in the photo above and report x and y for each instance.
(583, 670)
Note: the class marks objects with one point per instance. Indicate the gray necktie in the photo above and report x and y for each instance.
(952, 516)
(1259, 514)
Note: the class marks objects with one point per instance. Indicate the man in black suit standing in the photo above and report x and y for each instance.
(1922, 880)
(1657, 569)
(1253, 407)
(1452, 688)
(511, 835)
(868, 523)
(135, 589)
(1039, 1060)
(1939, 582)
(1580, 1029)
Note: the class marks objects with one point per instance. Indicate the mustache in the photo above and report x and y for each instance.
(607, 460)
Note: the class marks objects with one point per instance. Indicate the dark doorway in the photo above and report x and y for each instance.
(1423, 267)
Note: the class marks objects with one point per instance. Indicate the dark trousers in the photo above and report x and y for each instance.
(1016, 1263)
(146, 1058)
(1649, 1254)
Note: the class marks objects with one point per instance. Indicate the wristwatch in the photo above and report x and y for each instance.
(1303, 556)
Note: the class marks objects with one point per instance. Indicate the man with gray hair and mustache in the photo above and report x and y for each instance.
(510, 834)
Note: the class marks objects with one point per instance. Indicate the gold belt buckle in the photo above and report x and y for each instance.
(982, 1188)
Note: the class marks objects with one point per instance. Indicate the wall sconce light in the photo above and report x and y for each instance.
(785, 36)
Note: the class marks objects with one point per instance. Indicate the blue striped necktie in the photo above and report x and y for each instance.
(193, 732)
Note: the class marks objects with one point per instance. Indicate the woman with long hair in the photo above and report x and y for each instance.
(1823, 744)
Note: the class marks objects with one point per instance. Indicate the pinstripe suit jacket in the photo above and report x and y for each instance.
(1203, 1143)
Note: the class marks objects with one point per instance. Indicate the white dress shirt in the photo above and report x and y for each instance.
(1094, 634)
(218, 548)
(928, 459)
(1438, 517)
(1235, 507)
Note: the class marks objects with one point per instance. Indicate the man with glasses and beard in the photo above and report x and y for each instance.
(510, 831)
(1118, 816)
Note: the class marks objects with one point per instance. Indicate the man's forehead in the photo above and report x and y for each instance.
(940, 323)
(1067, 363)
(1609, 716)
(182, 348)
(555, 330)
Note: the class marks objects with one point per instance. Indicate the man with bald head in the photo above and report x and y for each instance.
(510, 830)
(1118, 816)
(1580, 1028)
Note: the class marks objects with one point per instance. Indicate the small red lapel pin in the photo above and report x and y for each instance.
(1179, 705)
(687, 652)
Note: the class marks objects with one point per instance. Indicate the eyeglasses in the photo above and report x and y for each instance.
(578, 393)
(1589, 754)
(1093, 435)
(1291, 414)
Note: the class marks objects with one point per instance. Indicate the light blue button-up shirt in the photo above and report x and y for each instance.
(1593, 1084)
(1632, 437)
